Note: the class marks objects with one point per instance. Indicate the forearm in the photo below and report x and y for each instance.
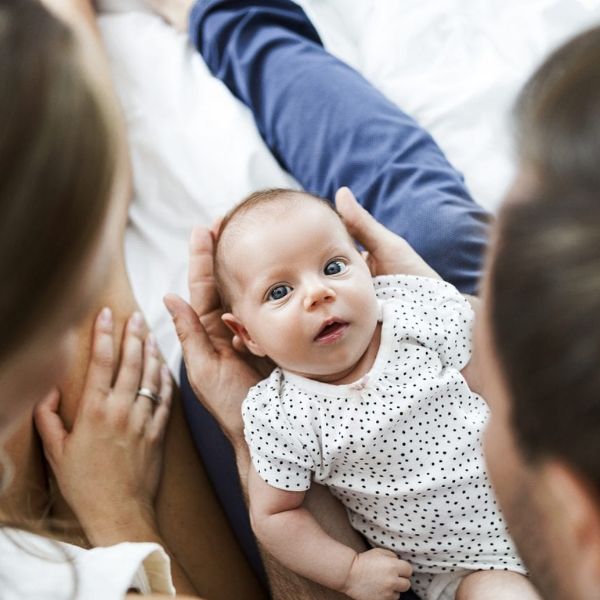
(285, 584)
(188, 517)
(138, 524)
(299, 543)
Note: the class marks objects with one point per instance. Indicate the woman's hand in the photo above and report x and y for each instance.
(386, 252)
(108, 466)
(218, 374)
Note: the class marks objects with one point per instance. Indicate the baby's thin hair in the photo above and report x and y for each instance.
(254, 201)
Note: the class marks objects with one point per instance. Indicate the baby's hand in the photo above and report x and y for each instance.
(377, 575)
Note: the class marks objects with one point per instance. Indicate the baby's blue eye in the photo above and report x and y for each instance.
(333, 267)
(279, 292)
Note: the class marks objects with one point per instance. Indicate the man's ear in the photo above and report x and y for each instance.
(577, 503)
(238, 329)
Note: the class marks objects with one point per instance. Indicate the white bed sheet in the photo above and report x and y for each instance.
(456, 65)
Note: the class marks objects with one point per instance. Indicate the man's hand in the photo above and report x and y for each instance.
(377, 574)
(219, 375)
(387, 253)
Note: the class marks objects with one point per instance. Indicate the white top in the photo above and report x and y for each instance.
(401, 447)
(33, 567)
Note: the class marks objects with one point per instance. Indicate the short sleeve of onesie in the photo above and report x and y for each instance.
(277, 453)
(439, 314)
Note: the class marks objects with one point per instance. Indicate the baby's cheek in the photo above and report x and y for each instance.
(281, 337)
(370, 307)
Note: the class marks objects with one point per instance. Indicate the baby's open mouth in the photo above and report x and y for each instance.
(331, 330)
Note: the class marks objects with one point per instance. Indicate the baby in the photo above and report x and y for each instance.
(368, 399)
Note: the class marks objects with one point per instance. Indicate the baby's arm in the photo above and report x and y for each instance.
(293, 536)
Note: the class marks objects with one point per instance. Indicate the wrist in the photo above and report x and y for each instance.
(347, 583)
(235, 435)
(132, 522)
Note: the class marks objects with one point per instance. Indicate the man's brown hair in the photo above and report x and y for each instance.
(545, 277)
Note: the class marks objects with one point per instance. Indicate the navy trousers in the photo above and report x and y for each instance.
(329, 127)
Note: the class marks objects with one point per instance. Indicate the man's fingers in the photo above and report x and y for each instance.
(215, 228)
(195, 342)
(388, 252)
(361, 225)
(238, 345)
(50, 426)
(204, 297)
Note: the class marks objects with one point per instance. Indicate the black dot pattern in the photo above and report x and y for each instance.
(401, 448)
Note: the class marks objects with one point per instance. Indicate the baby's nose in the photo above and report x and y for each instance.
(317, 295)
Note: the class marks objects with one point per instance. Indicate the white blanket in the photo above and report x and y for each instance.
(455, 65)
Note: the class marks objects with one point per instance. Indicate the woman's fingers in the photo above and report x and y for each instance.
(50, 426)
(132, 361)
(158, 424)
(102, 362)
(143, 407)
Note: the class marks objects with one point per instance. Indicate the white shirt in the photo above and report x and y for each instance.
(401, 447)
(36, 568)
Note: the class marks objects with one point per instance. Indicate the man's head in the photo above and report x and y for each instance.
(542, 317)
(295, 284)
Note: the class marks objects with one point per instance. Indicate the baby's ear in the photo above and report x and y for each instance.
(239, 331)
(370, 263)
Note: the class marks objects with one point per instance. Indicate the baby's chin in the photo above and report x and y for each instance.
(338, 371)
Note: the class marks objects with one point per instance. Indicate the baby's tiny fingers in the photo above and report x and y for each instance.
(404, 568)
(403, 585)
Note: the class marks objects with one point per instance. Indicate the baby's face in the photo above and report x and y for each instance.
(301, 292)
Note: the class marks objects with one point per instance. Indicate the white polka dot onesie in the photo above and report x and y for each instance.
(401, 447)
